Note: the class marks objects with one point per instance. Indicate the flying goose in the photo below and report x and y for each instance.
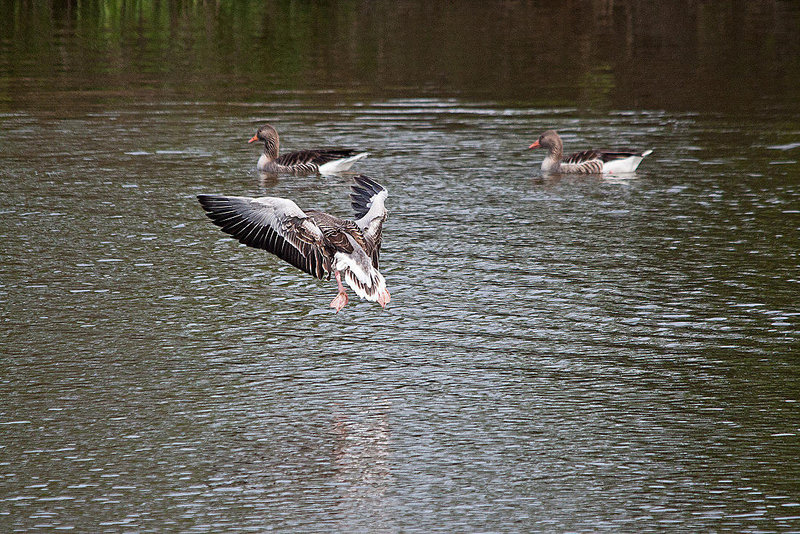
(313, 241)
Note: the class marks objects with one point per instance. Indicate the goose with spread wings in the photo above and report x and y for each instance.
(314, 241)
(321, 160)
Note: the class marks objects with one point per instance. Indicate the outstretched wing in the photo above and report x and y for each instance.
(318, 157)
(274, 224)
(367, 200)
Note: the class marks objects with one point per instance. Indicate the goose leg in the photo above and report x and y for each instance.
(384, 298)
(341, 299)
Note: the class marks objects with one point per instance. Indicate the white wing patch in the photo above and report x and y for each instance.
(376, 209)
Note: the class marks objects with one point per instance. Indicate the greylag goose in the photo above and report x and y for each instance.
(586, 162)
(322, 161)
(313, 241)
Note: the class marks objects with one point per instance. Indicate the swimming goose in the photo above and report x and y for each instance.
(313, 241)
(322, 161)
(586, 162)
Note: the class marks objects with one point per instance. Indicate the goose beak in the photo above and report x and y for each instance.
(253, 139)
(535, 145)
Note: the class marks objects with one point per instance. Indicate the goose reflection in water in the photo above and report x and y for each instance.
(361, 464)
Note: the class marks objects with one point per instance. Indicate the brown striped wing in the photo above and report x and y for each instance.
(585, 162)
(316, 157)
(273, 224)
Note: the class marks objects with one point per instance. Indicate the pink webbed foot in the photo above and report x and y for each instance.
(339, 302)
(384, 298)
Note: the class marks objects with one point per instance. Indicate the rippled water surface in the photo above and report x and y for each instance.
(560, 353)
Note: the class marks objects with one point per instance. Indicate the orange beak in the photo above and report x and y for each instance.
(253, 139)
(535, 144)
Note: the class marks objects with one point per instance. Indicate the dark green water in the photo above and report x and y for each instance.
(560, 353)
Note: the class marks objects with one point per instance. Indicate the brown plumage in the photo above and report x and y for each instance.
(313, 241)
(585, 162)
(321, 161)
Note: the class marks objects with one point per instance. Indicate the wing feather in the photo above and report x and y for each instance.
(317, 157)
(583, 157)
(273, 224)
(602, 155)
(607, 156)
(367, 200)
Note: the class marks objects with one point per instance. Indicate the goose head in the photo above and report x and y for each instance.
(549, 140)
(269, 136)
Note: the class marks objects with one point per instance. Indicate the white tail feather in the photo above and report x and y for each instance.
(341, 165)
(371, 290)
(628, 164)
(360, 275)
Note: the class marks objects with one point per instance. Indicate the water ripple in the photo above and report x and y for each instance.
(560, 353)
